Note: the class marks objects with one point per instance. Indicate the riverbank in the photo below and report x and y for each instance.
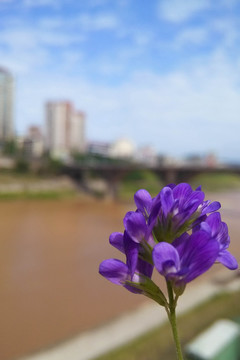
(20, 186)
(14, 185)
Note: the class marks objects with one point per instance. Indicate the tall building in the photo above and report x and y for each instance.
(77, 131)
(65, 129)
(6, 105)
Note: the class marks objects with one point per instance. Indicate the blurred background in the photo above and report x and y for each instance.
(99, 98)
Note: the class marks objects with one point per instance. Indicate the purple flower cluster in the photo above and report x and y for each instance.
(178, 232)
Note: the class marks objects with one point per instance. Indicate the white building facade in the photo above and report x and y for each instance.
(77, 132)
(122, 148)
(65, 129)
(6, 105)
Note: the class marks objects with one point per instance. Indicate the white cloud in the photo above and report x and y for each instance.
(141, 37)
(101, 21)
(181, 10)
(58, 38)
(51, 22)
(23, 62)
(228, 30)
(70, 60)
(191, 36)
(227, 3)
(25, 49)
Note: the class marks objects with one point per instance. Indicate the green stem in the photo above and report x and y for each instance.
(172, 319)
(171, 311)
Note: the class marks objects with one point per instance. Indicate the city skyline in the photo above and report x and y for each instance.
(163, 73)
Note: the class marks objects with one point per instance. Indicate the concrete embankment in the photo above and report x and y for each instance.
(21, 187)
(92, 344)
(34, 185)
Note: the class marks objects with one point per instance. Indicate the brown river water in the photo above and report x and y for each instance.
(50, 251)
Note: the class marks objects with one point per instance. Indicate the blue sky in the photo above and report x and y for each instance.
(164, 73)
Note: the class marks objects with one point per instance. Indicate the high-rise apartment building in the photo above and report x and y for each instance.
(6, 105)
(64, 129)
(77, 131)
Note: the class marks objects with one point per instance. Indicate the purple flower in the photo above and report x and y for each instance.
(116, 240)
(173, 232)
(219, 230)
(136, 270)
(186, 258)
(143, 201)
(139, 232)
(136, 227)
(118, 273)
(177, 209)
(136, 274)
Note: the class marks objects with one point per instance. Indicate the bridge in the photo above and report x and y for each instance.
(113, 173)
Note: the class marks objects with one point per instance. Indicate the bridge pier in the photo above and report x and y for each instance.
(113, 179)
(113, 189)
(167, 176)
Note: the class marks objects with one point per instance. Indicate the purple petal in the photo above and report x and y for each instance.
(135, 225)
(181, 192)
(144, 268)
(156, 207)
(131, 250)
(128, 214)
(193, 201)
(222, 237)
(197, 222)
(214, 221)
(179, 219)
(214, 206)
(114, 270)
(200, 253)
(219, 230)
(143, 201)
(228, 260)
(205, 227)
(116, 240)
(165, 258)
(167, 200)
(180, 243)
